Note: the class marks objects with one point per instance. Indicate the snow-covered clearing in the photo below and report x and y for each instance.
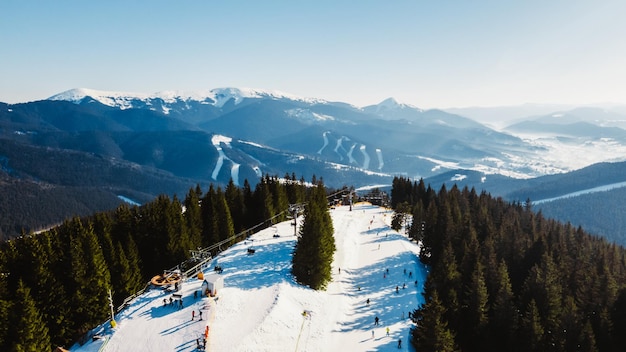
(261, 308)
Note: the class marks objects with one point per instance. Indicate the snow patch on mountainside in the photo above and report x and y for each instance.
(379, 154)
(325, 137)
(366, 157)
(307, 115)
(217, 140)
(585, 191)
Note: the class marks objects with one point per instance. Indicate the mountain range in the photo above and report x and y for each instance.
(99, 148)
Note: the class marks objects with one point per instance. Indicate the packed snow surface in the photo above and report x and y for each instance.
(262, 308)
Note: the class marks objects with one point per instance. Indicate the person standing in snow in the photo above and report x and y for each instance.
(387, 331)
(376, 321)
(368, 301)
(193, 314)
(399, 343)
(200, 314)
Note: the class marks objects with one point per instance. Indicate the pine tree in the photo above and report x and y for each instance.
(5, 338)
(618, 317)
(474, 334)
(531, 330)
(193, 216)
(263, 202)
(314, 251)
(178, 242)
(280, 201)
(225, 227)
(126, 278)
(432, 332)
(503, 321)
(210, 230)
(234, 199)
(30, 331)
(90, 276)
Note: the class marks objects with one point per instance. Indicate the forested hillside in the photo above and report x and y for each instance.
(54, 285)
(503, 278)
(602, 213)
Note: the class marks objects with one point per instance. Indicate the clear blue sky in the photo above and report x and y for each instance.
(429, 53)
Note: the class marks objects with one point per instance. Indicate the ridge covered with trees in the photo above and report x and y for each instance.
(503, 278)
(54, 285)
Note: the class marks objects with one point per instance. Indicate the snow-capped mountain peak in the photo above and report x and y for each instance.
(392, 104)
(216, 97)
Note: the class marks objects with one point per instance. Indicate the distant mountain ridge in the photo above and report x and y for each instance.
(216, 97)
(187, 138)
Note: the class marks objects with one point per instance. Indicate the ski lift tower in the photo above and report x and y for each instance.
(294, 209)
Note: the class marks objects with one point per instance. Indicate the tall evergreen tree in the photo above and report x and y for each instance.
(225, 227)
(280, 201)
(234, 199)
(531, 330)
(503, 321)
(30, 331)
(314, 250)
(263, 202)
(210, 230)
(432, 332)
(193, 216)
(475, 312)
(5, 337)
(90, 276)
(178, 241)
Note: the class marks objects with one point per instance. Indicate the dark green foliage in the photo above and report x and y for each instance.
(601, 213)
(69, 269)
(279, 198)
(314, 251)
(193, 216)
(90, 278)
(225, 227)
(432, 332)
(210, 228)
(29, 332)
(234, 200)
(509, 279)
(402, 211)
(5, 338)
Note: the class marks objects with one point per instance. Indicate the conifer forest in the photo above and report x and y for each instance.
(503, 278)
(54, 285)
